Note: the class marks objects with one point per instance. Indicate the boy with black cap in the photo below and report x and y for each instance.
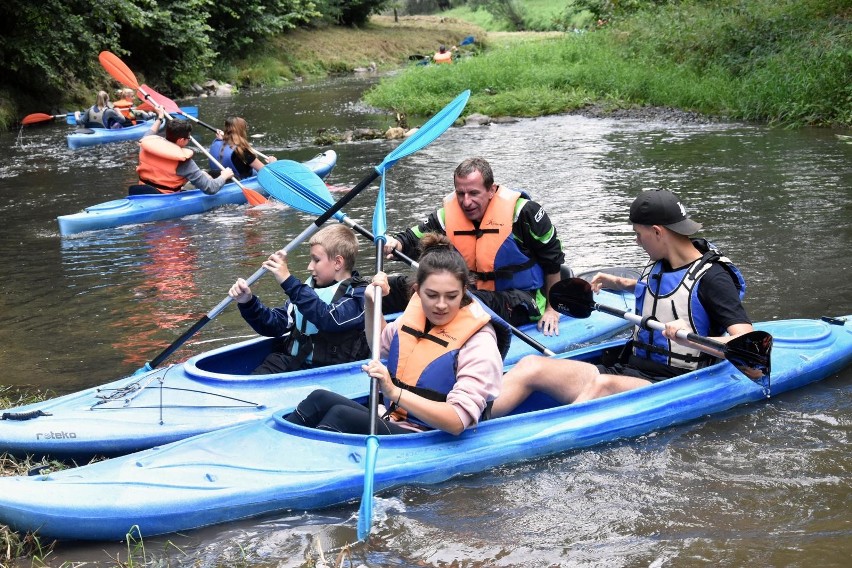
(687, 285)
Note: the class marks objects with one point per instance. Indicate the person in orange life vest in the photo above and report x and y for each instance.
(232, 149)
(125, 107)
(443, 364)
(100, 115)
(442, 55)
(165, 164)
(511, 247)
(683, 273)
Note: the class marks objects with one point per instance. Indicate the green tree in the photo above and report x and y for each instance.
(350, 12)
(510, 11)
(174, 48)
(242, 25)
(47, 46)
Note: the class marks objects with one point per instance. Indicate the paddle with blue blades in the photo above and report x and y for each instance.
(365, 512)
(428, 133)
(296, 185)
(122, 73)
(749, 353)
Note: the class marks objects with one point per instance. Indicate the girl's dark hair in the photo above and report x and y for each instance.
(439, 255)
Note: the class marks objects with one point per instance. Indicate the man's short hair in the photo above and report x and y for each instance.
(471, 165)
(338, 240)
(177, 129)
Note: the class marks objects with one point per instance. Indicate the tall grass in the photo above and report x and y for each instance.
(778, 61)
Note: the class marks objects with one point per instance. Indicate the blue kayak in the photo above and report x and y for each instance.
(156, 207)
(92, 136)
(273, 466)
(214, 390)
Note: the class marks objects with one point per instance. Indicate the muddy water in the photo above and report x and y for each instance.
(765, 485)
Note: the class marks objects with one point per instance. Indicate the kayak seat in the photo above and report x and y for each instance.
(240, 361)
(142, 189)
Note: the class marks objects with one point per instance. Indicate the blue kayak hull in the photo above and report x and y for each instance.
(157, 207)
(214, 390)
(273, 466)
(93, 136)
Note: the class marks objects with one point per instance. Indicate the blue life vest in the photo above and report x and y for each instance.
(223, 154)
(307, 345)
(667, 296)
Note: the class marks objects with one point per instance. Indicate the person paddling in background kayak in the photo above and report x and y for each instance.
(100, 115)
(442, 56)
(323, 321)
(128, 111)
(510, 246)
(232, 149)
(166, 164)
(443, 365)
(687, 285)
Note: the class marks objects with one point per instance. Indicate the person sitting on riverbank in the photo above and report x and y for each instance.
(688, 285)
(510, 246)
(100, 115)
(232, 149)
(443, 365)
(442, 56)
(166, 165)
(323, 321)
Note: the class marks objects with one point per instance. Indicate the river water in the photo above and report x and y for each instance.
(767, 484)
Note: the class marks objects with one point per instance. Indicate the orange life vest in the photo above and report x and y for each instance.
(479, 247)
(158, 163)
(445, 57)
(125, 107)
(426, 361)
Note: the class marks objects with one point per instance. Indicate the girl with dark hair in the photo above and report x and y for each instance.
(443, 365)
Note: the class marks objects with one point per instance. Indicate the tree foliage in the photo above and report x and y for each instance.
(510, 11)
(48, 46)
(240, 25)
(350, 12)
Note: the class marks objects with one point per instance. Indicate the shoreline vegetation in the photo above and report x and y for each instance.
(780, 62)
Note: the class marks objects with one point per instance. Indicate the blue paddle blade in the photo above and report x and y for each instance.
(427, 133)
(365, 512)
(380, 222)
(296, 185)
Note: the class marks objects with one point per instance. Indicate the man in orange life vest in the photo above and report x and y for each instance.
(165, 164)
(507, 240)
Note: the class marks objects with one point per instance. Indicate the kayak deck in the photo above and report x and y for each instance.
(214, 390)
(232, 474)
(135, 209)
(94, 136)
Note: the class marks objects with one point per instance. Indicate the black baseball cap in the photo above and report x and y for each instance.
(662, 207)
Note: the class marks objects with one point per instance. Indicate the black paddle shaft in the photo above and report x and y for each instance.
(750, 352)
(537, 345)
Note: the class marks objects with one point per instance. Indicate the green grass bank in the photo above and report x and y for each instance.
(783, 62)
